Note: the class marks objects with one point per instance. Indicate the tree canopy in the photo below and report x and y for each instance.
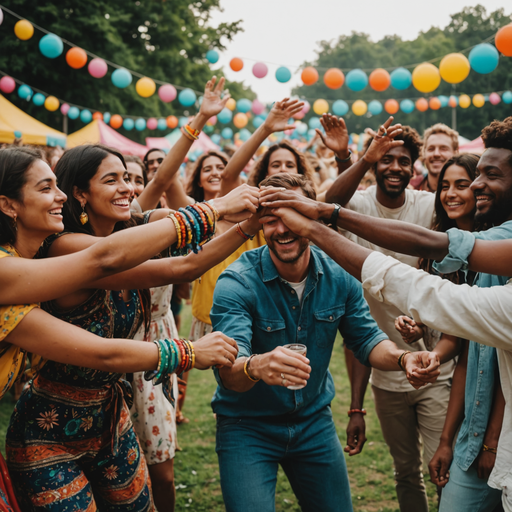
(467, 28)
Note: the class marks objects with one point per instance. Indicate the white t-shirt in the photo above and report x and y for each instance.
(418, 209)
(299, 288)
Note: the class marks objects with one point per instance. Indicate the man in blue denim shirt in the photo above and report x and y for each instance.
(288, 292)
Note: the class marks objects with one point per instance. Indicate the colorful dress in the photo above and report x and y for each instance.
(71, 445)
(153, 416)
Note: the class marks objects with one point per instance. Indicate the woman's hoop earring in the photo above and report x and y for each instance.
(84, 218)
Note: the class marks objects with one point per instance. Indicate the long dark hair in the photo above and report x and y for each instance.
(76, 168)
(260, 169)
(193, 188)
(15, 163)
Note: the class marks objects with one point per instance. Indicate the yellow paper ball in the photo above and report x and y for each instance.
(359, 107)
(231, 104)
(426, 77)
(240, 120)
(454, 68)
(320, 107)
(478, 100)
(145, 87)
(23, 30)
(464, 101)
(51, 103)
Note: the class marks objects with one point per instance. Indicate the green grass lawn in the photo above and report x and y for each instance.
(196, 469)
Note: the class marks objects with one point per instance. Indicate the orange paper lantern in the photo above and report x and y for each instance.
(379, 79)
(391, 106)
(333, 78)
(76, 58)
(434, 103)
(98, 116)
(172, 122)
(236, 64)
(116, 121)
(309, 76)
(422, 104)
(503, 40)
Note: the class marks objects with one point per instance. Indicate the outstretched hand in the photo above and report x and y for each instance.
(215, 349)
(422, 368)
(336, 134)
(383, 141)
(281, 112)
(213, 100)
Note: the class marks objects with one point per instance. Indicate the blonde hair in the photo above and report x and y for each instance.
(445, 130)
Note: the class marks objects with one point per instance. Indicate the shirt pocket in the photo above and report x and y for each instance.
(268, 335)
(327, 322)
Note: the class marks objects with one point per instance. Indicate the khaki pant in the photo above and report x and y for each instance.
(408, 420)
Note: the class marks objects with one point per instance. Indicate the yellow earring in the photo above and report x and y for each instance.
(84, 218)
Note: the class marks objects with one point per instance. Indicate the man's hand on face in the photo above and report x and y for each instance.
(281, 367)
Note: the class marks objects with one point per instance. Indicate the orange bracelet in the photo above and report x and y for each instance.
(353, 411)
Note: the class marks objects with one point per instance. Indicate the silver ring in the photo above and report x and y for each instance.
(282, 376)
(283, 382)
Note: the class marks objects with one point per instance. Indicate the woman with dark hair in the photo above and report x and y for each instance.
(152, 161)
(137, 174)
(206, 177)
(77, 405)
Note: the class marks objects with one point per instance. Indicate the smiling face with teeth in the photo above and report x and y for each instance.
(210, 176)
(457, 199)
(393, 173)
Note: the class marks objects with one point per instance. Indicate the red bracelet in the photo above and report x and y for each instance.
(360, 411)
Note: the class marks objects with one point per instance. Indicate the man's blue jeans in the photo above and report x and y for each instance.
(309, 451)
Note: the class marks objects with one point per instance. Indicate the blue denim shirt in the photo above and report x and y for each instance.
(482, 360)
(253, 305)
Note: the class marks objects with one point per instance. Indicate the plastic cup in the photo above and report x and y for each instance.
(299, 349)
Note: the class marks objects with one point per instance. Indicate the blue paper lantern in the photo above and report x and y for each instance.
(128, 124)
(216, 138)
(140, 124)
(340, 107)
(212, 56)
(283, 74)
(38, 99)
(162, 124)
(85, 116)
(314, 122)
(257, 121)
(51, 46)
(244, 134)
(302, 129)
(356, 80)
(227, 133)
(25, 92)
(375, 107)
(106, 117)
(244, 105)
(225, 116)
(187, 97)
(208, 129)
(17, 134)
(506, 97)
(73, 113)
(401, 79)
(407, 106)
(121, 78)
(483, 58)
(182, 121)
(444, 100)
(311, 133)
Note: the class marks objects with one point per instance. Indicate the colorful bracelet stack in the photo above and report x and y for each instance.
(174, 356)
(195, 225)
(189, 132)
(241, 232)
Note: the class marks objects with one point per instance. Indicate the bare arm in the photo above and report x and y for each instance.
(448, 347)
(500, 264)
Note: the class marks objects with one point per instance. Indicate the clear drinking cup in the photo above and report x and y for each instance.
(299, 349)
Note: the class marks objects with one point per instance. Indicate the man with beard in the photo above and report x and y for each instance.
(408, 417)
(273, 405)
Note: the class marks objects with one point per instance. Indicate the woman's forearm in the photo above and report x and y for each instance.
(447, 348)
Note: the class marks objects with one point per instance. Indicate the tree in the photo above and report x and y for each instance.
(164, 40)
(467, 28)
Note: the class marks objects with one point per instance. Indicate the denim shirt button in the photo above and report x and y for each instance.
(268, 328)
(476, 434)
(293, 291)
(298, 328)
(330, 318)
(478, 402)
(293, 307)
(481, 371)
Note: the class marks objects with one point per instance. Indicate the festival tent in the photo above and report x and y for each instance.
(14, 120)
(98, 132)
(475, 146)
(201, 145)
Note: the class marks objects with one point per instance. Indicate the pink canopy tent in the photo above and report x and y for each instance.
(475, 146)
(202, 144)
(98, 132)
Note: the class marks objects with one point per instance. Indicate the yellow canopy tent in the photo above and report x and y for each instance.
(14, 123)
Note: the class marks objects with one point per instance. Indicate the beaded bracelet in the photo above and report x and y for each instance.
(241, 232)
(190, 131)
(354, 411)
(214, 210)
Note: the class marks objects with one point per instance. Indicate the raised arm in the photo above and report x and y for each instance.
(336, 139)
(213, 103)
(342, 190)
(276, 121)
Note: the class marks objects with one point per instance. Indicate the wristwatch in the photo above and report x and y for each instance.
(345, 160)
(335, 214)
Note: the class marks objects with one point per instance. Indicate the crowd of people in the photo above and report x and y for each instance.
(285, 248)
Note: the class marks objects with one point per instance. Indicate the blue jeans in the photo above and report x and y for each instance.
(466, 492)
(308, 449)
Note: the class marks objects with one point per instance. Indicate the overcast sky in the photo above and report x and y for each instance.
(286, 32)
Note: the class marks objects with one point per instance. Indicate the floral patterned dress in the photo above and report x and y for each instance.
(153, 416)
(71, 445)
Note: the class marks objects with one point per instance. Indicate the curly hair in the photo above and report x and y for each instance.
(444, 130)
(260, 170)
(412, 142)
(499, 135)
(194, 190)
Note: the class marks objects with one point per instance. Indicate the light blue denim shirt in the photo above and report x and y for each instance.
(482, 360)
(253, 305)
